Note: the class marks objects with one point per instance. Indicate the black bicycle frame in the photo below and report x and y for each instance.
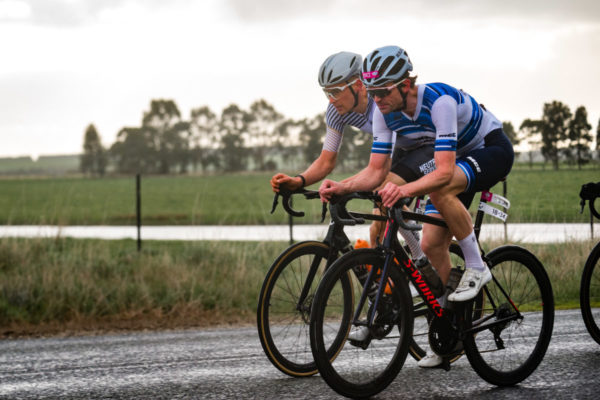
(393, 248)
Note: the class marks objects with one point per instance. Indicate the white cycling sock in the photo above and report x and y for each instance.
(470, 250)
(412, 240)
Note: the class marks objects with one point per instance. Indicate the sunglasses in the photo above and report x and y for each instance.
(382, 92)
(334, 92)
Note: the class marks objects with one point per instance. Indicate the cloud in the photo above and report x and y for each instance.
(533, 10)
(66, 12)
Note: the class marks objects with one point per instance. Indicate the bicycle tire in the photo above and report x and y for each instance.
(519, 345)
(282, 325)
(359, 372)
(589, 297)
(422, 316)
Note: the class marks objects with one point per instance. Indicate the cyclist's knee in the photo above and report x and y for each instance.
(435, 240)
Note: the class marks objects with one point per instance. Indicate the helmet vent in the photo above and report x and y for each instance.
(385, 64)
(396, 68)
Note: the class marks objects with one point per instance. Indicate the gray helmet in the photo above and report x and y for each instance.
(339, 67)
(389, 63)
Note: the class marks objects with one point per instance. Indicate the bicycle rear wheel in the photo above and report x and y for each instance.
(361, 369)
(511, 338)
(589, 299)
(283, 321)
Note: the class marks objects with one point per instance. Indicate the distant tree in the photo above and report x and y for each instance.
(134, 151)
(263, 121)
(286, 145)
(204, 128)
(175, 147)
(552, 128)
(311, 135)
(94, 159)
(163, 120)
(233, 127)
(580, 139)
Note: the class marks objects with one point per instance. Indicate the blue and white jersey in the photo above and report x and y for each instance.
(445, 117)
(336, 124)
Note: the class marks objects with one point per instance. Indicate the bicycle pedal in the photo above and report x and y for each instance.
(363, 344)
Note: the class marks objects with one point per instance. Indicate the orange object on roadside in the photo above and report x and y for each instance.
(363, 244)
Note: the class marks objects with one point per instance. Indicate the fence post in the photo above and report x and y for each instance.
(138, 210)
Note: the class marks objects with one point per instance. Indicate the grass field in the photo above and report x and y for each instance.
(536, 196)
(55, 285)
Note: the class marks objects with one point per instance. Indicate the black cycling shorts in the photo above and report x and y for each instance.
(410, 165)
(484, 167)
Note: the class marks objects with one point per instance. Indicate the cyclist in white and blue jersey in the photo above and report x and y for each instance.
(339, 76)
(472, 153)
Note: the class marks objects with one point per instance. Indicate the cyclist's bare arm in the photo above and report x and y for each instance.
(377, 228)
(318, 170)
(366, 180)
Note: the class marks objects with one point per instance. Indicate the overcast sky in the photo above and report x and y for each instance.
(67, 63)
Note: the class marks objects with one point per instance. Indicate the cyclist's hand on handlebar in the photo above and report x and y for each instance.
(283, 180)
(330, 188)
(391, 193)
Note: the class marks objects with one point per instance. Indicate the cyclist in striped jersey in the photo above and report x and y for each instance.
(339, 76)
(472, 153)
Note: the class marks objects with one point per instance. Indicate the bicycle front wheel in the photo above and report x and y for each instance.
(589, 299)
(510, 339)
(367, 366)
(282, 317)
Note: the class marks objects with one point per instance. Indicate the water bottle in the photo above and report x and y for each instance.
(431, 276)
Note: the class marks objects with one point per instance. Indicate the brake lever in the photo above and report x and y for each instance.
(323, 211)
(275, 202)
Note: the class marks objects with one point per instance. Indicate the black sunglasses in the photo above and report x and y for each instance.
(382, 92)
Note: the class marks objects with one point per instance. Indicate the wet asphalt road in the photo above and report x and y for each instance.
(230, 364)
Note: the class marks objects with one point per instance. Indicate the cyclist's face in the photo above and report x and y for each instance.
(344, 100)
(392, 101)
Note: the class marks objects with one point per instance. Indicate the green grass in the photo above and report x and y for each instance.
(62, 281)
(536, 196)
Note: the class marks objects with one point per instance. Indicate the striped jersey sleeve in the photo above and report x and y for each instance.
(336, 123)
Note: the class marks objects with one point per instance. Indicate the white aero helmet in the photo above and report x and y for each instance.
(339, 67)
(389, 63)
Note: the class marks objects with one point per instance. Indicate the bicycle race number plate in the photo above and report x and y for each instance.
(494, 212)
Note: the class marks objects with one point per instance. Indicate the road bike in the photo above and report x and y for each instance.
(589, 293)
(288, 289)
(504, 331)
